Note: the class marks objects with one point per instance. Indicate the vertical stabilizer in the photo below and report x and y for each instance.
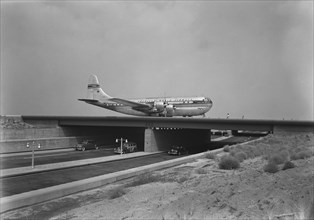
(93, 89)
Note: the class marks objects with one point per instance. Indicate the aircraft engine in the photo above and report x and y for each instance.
(159, 106)
(170, 110)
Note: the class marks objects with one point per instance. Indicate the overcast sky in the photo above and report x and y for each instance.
(252, 58)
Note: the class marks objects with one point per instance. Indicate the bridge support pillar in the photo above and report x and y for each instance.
(163, 139)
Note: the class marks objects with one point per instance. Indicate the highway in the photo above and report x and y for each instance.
(52, 157)
(57, 157)
(28, 182)
(24, 183)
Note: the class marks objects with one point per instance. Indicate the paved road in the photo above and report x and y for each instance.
(57, 157)
(52, 157)
(25, 183)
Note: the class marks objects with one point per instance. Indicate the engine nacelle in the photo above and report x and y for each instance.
(159, 106)
(170, 110)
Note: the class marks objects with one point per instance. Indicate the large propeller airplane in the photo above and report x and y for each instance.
(158, 107)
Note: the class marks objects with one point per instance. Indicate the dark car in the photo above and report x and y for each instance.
(177, 150)
(86, 145)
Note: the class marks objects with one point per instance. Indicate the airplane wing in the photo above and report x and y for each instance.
(135, 105)
(89, 100)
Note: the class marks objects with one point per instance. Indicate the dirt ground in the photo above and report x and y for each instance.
(199, 190)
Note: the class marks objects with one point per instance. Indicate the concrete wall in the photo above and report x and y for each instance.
(45, 144)
(15, 140)
(162, 140)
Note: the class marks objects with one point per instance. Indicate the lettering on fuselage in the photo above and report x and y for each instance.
(175, 100)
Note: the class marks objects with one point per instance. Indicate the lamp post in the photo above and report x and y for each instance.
(32, 145)
(121, 143)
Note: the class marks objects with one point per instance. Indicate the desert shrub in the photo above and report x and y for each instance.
(293, 156)
(226, 148)
(229, 163)
(271, 168)
(265, 157)
(298, 149)
(264, 148)
(210, 155)
(182, 179)
(277, 158)
(304, 154)
(252, 151)
(201, 171)
(144, 179)
(288, 165)
(233, 151)
(285, 154)
(297, 155)
(116, 192)
(240, 156)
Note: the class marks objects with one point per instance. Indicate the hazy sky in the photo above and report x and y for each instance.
(252, 58)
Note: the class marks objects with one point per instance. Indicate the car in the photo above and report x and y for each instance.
(128, 147)
(86, 145)
(177, 150)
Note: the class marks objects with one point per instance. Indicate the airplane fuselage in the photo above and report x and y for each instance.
(165, 107)
(192, 106)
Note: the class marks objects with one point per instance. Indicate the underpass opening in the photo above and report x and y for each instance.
(194, 140)
(106, 137)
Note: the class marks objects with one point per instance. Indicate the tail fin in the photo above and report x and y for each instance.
(93, 89)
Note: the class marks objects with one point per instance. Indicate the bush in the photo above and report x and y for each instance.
(277, 159)
(201, 171)
(240, 156)
(226, 148)
(182, 179)
(210, 155)
(233, 152)
(144, 179)
(301, 154)
(288, 165)
(271, 168)
(229, 163)
(293, 156)
(304, 154)
(285, 154)
(116, 192)
(251, 151)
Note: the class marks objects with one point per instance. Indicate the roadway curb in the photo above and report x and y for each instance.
(46, 194)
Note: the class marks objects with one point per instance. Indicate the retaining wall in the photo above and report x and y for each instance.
(14, 146)
(15, 140)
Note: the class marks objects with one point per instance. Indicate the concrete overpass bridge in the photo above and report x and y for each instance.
(151, 133)
(189, 123)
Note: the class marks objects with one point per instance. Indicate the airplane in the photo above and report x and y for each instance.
(158, 107)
